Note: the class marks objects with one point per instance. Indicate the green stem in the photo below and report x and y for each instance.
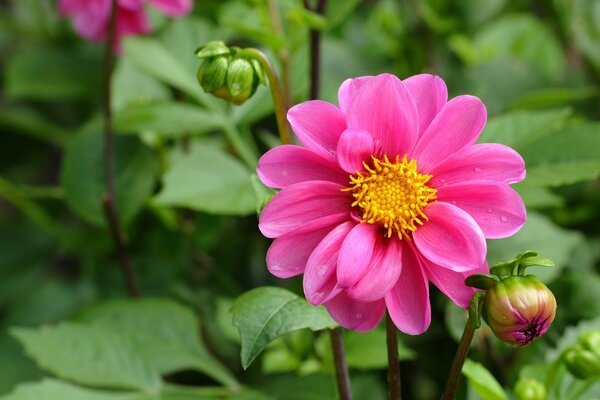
(394, 386)
(276, 92)
(341, 368)
(235, 138)
(459, 359)
(283, 54)
(108, 198)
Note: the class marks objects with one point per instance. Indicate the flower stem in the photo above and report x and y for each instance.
(315, 50)
(341, 368)
(283, 54)
(459, 359)
(276, 93)
(394, 387)
(108, 198)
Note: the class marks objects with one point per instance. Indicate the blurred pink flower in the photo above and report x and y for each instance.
(388, 192)
(91, 17)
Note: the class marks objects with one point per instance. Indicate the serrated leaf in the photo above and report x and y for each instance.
(83, 178)
(484, 383)
(168, 333)
(265, 313)
(96, 356)
(51, 389)
(208, 179)
(171, 119)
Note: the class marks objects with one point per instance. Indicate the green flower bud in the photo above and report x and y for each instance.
(212, 74)
(212, 49)
(241, 80)
(519, 309)
(530, 389)
(590, 340)
(583, 364)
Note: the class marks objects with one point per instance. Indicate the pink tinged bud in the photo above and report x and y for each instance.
(519, 309)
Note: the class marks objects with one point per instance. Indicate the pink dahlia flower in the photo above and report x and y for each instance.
(388, 192)
(91, 17)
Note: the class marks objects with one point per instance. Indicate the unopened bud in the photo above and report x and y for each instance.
(530, 389)
(241, 82)
(519, 309)
(212, 74)
(590, 340)
(583, 364)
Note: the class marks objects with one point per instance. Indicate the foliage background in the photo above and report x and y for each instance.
(187, 197)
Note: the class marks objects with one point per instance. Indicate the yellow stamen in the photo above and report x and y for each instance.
(392, 194)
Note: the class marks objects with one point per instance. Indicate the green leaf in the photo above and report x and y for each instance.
(293, 387)
(51, 389)
(151, 57)
(566, 156)
(46, 72)
(83, 179)
(517, 129)
(265, 313)
(29, 122)
(368, 350)
(96, 356)
(167, 331)
(541, 234)
(131, 85)
(553, 97)
(481, 281)
(484, 383)
(537, 262)
(207, 179)
(172, 119)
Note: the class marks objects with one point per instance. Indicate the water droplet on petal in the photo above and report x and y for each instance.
(276, 268)
(284, 172)
(489, 210)
(358, 315)
(322, 271)
(503, 218)
(477, 170)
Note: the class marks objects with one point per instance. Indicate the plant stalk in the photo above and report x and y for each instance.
(394, 383)
(283, 54)
(315, 50)
(341, 368)
(459, 360)
(108, 198)
(276, 92)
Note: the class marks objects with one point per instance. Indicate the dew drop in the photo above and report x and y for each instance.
(503, 218)
(489, 210)
(284, 172)
(322, 271)
(358, 315)
(318, 296)
(275, 268)
(477, 170)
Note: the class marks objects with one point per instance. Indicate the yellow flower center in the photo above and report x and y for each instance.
(392, 194)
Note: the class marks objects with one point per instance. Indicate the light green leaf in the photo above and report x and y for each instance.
(517, 129)
(547, 239)
(151, 57)
(265, 313)
(167, 331)
(96, 356)
(130, 85)
(171, 119)
(483, 381)
(83, 179)
(566, 156)
(51, 389)
(553, 97)
(208, 179)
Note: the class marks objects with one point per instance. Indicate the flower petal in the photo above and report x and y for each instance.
(356, 253)
(430, 94)
(408, 301)
(383, 107)
(452, 283)
(318, 125)
(382, 273)
(286, 165)
(484, 161)
(288, 254)
(173, 8)
(450, 238)
(299, 204)
(320, 275)
(354, 147)
(457, 125)
(355, 315)
(496, 207)
(348, 90)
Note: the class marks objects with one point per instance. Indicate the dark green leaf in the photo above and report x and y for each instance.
(51, 389)
(266, 313)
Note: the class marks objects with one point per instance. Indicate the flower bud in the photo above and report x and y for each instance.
(212, 74)
(519, 309)
(241, 82)
(583, 364)
(530, 389)
(590, 340)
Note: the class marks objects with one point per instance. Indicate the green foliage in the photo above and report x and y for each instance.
(484, 383)
(263, 314)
